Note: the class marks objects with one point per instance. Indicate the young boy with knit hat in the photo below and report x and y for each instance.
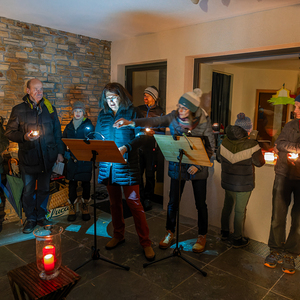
(79, 128)
(237, 155)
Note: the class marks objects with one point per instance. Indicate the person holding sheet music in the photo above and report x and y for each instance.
(115, 103)
(79, 128)
(190, 120)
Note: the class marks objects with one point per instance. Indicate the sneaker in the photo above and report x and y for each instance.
(113, 243)
(273, 259)
(225, 235)
(240, 243)
(165, 243)
(288, 266)
(149, 253)
(72, 213)
(85, 210)
(199, 246)
(29, 226)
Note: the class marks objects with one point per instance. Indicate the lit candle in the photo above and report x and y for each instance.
(49, 262)
(293, 156)
(269, 157)
(49, 249)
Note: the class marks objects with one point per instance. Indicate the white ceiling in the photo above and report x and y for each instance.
(120, 19)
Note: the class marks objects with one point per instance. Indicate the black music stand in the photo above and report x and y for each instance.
(195, 153)
(95, 151)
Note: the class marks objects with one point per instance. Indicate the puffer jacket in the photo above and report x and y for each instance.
(288, 142)
(238, 155)
(39, 155)
(203, 129)
(79, 170)
(121, 174)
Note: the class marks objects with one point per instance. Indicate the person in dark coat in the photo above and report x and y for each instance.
(238, 155)
(115, 103)
(191, 120)
(149, 152)
(79, 128)
(284, 249)
(35, 126)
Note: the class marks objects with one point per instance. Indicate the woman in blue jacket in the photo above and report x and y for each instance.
(115, 103)
(79, 128)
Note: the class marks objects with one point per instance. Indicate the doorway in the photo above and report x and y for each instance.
(138, 78)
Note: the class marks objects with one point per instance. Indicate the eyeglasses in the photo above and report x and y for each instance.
(112, 98)
(183, 108)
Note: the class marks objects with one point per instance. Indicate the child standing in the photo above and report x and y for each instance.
(79, 128)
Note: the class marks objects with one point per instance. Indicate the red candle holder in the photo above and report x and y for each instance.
(48, 250)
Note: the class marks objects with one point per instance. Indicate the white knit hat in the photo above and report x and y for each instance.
(191, 100)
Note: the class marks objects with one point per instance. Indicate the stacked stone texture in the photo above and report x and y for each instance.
(71, 66)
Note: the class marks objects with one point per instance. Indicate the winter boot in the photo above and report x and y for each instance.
(72, 212)
(85, 209)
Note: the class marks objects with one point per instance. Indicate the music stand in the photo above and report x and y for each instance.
(95, 151)
(194, 153)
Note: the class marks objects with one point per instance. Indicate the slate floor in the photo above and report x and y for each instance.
(231, 273)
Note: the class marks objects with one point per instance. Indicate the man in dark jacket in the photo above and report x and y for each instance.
(35, 126)
(238, 155)
(287, 182)
(149, 151)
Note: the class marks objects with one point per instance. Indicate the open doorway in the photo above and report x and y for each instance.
(138, 78)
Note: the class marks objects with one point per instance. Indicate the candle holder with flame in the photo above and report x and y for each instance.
(48, 250)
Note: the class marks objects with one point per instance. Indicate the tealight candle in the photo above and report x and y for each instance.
(293, 155)
(49, 262)
(269, 156)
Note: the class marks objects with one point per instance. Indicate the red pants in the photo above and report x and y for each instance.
(132, 197)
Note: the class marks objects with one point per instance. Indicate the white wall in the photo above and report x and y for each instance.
(278, 28)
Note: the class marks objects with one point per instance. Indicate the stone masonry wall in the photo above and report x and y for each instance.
(72, 67)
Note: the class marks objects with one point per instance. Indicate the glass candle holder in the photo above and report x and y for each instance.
(48, 250)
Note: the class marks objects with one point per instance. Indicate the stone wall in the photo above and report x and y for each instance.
(72, 67)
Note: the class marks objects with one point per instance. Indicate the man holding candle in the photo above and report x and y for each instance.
(149, 152)
(287, 182)
(35, 126)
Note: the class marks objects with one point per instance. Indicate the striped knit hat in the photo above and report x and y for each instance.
(152, 91)
(243, 122)
(191, 100)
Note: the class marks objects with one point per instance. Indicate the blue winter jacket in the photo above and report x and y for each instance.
(79, 170)
(121, 174)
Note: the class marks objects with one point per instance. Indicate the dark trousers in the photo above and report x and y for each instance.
(199, 188)
(132, 197)
(147, 158)
(86, 190)
(32, 200)
(282, 191)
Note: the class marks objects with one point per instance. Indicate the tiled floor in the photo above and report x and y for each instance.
(231, 273)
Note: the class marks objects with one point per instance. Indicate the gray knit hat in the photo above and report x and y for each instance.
(152, 91)
(78, 105)
(191, 100)
(243, 122)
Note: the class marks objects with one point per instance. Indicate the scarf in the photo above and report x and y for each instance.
(185, 122)
(77, 122)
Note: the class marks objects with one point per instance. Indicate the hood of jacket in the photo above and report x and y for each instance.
(234, 132)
